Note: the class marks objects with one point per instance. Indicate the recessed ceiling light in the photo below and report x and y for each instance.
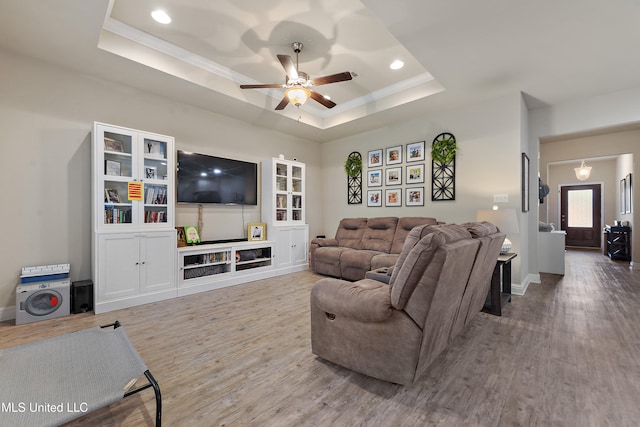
(396, 65)
(161, 16)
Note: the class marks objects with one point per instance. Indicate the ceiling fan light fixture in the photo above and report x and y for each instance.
(583, 172)
(298, 95)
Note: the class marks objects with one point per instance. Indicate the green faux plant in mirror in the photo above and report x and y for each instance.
(444, 149)
(353, 165)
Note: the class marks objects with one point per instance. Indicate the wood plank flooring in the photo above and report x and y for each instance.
(565, 354)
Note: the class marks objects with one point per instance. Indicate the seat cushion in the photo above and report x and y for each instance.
(354, 264)
(326, 260)
(350, 231)
(378, 234)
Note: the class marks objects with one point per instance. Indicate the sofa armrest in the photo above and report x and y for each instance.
(382, 274)
(365, 300)
(324, 241)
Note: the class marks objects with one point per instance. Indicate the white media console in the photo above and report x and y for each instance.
(212, 266)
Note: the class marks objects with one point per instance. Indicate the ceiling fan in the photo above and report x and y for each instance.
(298, 84)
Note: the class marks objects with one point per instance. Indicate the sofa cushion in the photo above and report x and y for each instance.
(384, 260)
(350, 231)
(354, 264)
(480, 229)
(404, 226)
(326, 260)
(405, 276)
(379, 234)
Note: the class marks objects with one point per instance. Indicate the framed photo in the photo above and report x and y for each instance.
(628, 192)
(394, 155)
(150, 172)
(153, 148)
(181, 237)
(191, 234)
(393, 176)
(415, 196)
(415, 174)
(257, 231)
(623, 195)
(111, 195)
(525, 183)
(375, 158)
(111, 144)
(393, 197)
(374, 178)
(415, 152)
(374, 198)
(111, 168)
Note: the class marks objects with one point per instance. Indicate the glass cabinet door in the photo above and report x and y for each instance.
(282, 192)
(118, 153)
(155, 176)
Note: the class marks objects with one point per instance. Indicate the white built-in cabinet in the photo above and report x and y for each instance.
(283, 210)
(133, 205)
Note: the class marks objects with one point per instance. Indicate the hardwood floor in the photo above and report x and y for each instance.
(567, 354)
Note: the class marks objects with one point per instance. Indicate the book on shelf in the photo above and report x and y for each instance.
(155, 195)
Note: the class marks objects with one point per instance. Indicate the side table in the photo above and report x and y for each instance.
(500, 292)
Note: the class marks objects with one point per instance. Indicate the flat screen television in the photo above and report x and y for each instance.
(208, 179)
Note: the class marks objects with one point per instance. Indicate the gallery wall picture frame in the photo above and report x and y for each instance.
(375, 158)
(374, 198)
(414, 196)
(628, 199)
(394, 155)
(374, 178)
(525, 183)
(393, 197)
(257, 231)
(414, 174)
(623, 195)
(415, 152)
(393, 176)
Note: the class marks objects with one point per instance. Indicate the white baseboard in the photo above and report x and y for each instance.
(634, 265)
(521, 288)
(7, 313)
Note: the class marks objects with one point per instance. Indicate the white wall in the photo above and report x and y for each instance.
(46, 116)
(488, 136)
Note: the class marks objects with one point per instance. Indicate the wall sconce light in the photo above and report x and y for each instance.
(583, 172)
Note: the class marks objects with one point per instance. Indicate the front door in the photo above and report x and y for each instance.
(580, 213)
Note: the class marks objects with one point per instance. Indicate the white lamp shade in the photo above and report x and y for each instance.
(298, 95)
(505, 220)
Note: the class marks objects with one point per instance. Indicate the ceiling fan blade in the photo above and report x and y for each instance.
(283, 103)
(275, 86)
(322, 100)
(288, 65)
(334, 78)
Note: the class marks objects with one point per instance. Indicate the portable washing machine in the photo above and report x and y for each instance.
(43, 296)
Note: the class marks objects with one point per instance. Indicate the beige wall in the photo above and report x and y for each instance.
(610, 119)
(488, 163)
(46, 116)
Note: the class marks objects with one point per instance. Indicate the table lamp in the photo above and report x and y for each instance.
(504, 219)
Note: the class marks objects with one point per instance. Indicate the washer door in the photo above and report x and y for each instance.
(43, 302)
